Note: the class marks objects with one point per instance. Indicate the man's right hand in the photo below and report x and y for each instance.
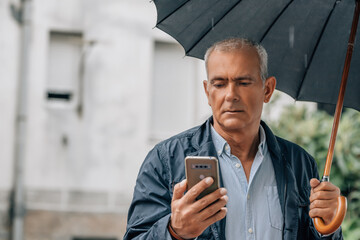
(190, 217)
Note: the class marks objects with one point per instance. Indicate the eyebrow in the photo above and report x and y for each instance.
(240, 78)
(218, 79)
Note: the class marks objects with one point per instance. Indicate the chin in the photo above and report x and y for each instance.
(232, 124)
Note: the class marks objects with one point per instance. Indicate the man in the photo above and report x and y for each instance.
(270, 189)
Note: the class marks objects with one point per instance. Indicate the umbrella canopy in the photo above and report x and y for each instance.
(306, 40)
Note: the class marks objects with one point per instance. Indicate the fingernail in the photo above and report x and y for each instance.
(208, 180)
(224, 209)
(182, 183)
(226, 198)
(223, 191)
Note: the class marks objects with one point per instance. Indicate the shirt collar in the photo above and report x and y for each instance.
(222, 146)
(219, 142)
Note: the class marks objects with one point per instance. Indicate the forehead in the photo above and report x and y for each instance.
(243, 59)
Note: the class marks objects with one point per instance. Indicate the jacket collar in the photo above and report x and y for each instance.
(202, 141)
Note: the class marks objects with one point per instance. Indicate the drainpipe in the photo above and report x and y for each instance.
(23, 15)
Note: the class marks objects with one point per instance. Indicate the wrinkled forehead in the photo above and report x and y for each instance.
(248, 52)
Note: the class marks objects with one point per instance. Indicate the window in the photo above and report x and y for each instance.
(64, 65)
(173, 90)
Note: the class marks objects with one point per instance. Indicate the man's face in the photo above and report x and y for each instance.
(235, 90)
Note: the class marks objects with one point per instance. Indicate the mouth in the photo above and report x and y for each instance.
(233, 111)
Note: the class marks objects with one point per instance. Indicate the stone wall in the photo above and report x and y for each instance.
(55, 225)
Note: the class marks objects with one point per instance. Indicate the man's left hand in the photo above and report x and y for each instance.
(323, 200)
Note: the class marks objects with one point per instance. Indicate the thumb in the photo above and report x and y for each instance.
(179, 190)
(314, 182)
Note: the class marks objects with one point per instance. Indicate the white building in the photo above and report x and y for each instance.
(103, 88)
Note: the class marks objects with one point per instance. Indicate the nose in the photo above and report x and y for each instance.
(232, 94)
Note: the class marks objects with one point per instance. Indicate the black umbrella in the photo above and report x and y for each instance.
(307, 43)
(306, 40)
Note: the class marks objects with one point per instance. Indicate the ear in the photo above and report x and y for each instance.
(205, 83)
(270, 84)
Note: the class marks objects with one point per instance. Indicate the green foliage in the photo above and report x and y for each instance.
(311, 130)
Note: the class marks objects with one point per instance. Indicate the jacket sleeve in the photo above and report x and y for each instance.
(150, 210)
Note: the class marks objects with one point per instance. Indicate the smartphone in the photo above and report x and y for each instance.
(200, 167)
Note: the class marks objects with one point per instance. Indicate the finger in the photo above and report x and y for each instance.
(179, 189)
(209, 199)
(311, 192)
(216, 217)
(323, 204)
(324, 213)
(324, 195)
(213, 208)
(326, 186)
(314, 182)
(194, 192)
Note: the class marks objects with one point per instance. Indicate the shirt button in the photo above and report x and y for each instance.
(238, 165)
(250, 230)
(248, 196)
(226, 147)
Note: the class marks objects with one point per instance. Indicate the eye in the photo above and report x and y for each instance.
(218, 83)
(243, 83)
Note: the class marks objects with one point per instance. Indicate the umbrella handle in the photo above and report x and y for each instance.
(324, 229)
(320, 226)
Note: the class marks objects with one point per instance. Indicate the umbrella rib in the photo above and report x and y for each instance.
(208, 7)
(172, 12)
(275, 20)
(316, 46)
(230, 9)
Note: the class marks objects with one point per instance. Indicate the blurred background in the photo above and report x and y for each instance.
(88, 87)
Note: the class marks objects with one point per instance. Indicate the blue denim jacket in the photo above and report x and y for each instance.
(163, 167)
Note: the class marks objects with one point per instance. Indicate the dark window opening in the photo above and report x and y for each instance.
(65, 96)
(64, 33)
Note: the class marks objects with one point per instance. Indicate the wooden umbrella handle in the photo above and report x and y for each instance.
(324, 229)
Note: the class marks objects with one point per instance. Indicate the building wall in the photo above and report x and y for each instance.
(80, 169)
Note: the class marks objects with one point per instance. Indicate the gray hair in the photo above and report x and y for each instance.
(232, 44)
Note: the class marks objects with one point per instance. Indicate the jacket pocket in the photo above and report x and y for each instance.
(275, 214)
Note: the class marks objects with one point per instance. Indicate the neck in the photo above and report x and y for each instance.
(243, 143)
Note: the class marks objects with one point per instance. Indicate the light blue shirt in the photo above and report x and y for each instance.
(254, 210)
